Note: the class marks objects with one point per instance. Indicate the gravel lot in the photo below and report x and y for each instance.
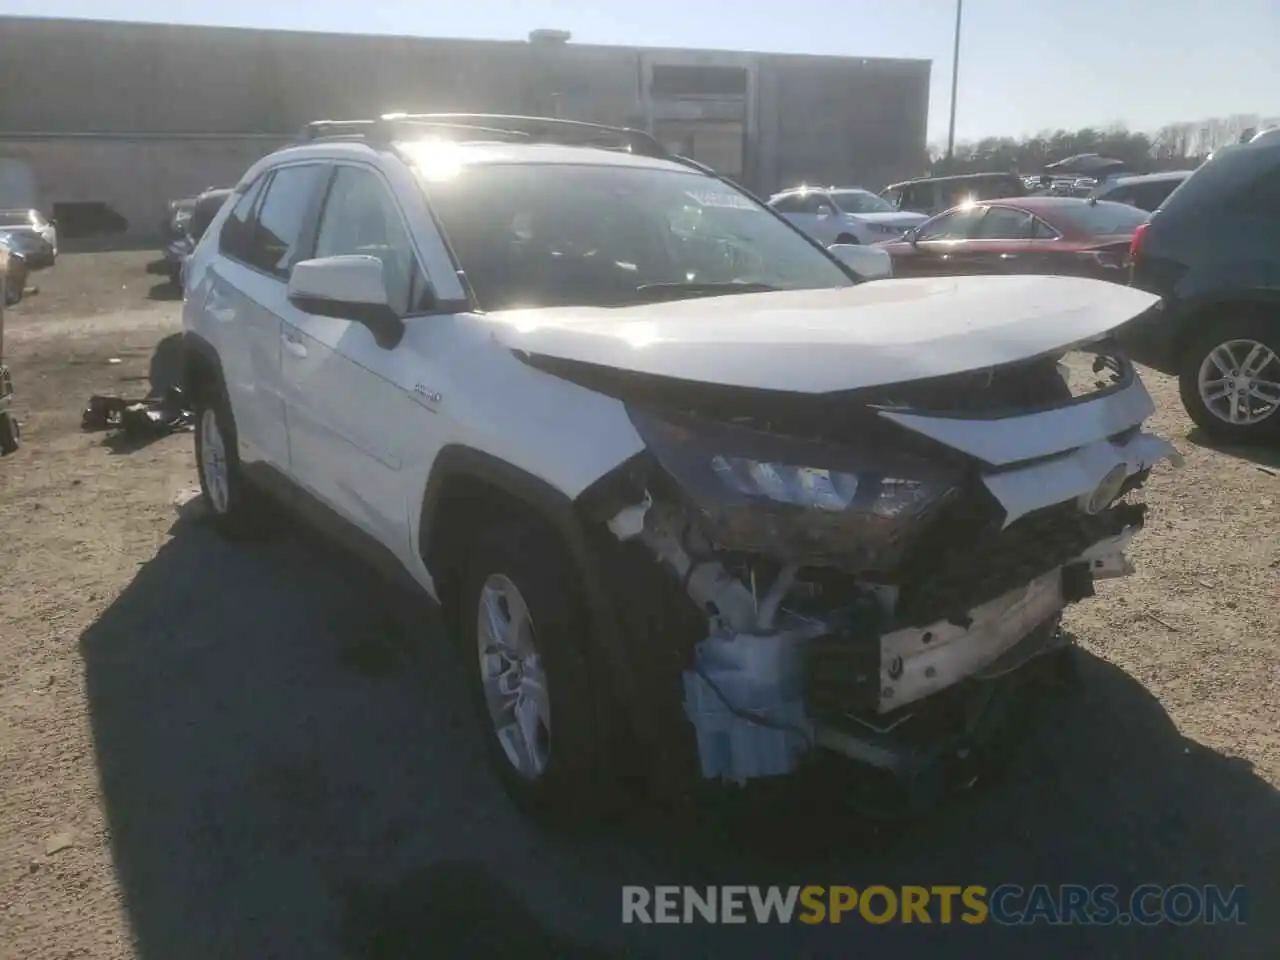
(256, 751)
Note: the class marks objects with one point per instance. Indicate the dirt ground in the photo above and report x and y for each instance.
(259, 751)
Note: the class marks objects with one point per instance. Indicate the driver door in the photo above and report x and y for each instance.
(941, 246)
(352, 422)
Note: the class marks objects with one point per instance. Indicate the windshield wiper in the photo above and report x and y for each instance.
(656, 292)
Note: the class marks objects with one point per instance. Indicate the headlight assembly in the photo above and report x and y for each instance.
(798, 500)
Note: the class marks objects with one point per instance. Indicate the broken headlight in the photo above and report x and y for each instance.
(804, 501)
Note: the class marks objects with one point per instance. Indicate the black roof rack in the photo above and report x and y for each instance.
(487, 126)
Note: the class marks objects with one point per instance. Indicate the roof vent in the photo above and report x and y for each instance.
(550, 38)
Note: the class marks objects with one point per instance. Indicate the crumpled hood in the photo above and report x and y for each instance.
(819, 341)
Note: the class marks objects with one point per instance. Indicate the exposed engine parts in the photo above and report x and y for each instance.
(801, 656)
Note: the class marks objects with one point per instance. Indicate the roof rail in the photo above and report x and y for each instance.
(487, 126)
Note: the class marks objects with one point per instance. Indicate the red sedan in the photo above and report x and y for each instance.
(1067, 236)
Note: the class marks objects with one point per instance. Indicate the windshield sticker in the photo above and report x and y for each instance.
(728, 201)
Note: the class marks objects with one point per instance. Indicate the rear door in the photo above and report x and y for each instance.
(1003, 242)
(246, 296)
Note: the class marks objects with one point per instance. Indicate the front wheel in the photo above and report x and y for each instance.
(524, 633)
(1230, 380)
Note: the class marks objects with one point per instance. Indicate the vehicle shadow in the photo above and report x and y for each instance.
(167, 291)
(290, 768)
(1268, 458)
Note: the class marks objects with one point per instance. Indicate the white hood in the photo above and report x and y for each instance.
(891, 219)
(817, 341)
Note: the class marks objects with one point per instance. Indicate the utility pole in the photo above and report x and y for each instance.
(955, 77)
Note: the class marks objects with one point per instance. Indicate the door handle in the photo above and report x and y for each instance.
(1008, 256)
(293, 343)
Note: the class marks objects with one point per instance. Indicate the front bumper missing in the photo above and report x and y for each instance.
(938, 684)
(920, 661)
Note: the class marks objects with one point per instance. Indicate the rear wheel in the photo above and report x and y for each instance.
(1230, 379)
(232, 503)
(847, 238)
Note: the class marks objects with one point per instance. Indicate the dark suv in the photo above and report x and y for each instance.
(1212, 252)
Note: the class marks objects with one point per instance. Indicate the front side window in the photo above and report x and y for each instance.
(277, 232)
(361, 217)
(529, 235)
(952, 225)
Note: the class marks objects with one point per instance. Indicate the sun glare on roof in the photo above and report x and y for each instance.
(436, 159)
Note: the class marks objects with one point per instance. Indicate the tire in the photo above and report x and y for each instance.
(233, 505)
(10, 433)
(566, 777)
(1236, 334)
(848, 238)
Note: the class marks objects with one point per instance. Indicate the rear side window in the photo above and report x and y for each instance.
(1004, 223)
(1119, 195)
(1102, 218)
(1260, 196)
(792, 203)
(1148, 196)
(1234, 181)
(278, 230)
(918, 198)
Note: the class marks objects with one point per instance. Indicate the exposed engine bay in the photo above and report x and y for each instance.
(861, 564)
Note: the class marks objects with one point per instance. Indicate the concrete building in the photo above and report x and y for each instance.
(119, 118)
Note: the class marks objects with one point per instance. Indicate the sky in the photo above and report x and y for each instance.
(1025, 65)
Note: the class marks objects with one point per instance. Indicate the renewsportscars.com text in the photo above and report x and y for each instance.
(1007, 904)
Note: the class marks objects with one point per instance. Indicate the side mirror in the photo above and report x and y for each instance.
(869, 263)
(824, 210)
(347, 288)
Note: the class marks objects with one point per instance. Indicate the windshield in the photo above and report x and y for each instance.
(541, 235)
(861, 201)
(1103, 218)
(15, 218)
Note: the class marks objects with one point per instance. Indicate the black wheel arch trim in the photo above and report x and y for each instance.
(565, 516)
(1189, 313)
(196, 349)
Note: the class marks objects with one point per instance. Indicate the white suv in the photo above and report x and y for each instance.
(693, 498)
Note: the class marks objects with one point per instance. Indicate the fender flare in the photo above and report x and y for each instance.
(560, 512)
(196, 349)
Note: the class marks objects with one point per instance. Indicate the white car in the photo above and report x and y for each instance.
(844, 214)
(693, 499)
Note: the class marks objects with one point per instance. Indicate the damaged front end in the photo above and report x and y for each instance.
(865, 573)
